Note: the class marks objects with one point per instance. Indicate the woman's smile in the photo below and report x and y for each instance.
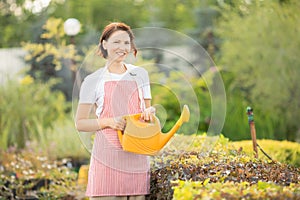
(118, 45)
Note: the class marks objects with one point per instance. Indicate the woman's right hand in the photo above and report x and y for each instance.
(117, 123)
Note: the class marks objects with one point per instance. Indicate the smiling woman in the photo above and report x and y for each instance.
(115, 92)
(117, 47)
(109, 32)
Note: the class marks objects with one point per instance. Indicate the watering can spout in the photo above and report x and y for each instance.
(146, 138)
(184, 117)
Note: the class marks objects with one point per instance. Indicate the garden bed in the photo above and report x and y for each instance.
(224, 172)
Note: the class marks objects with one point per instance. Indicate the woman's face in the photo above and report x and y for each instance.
(118, 46)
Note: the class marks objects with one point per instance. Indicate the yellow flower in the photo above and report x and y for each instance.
(27, 80)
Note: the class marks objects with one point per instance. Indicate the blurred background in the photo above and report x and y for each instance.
(255, 45)
(45, 44)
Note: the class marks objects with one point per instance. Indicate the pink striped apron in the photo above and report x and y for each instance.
(114, 172)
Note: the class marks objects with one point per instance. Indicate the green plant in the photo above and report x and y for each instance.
(46, 57)
(169, 96)
(26, 174)
(281, 151)
(222, 165)
(186, 170)
(53, 57)
(27, 109)
(188, 190)
(264, 62)
(61, 141)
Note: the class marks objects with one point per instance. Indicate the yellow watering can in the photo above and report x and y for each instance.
(146, 137)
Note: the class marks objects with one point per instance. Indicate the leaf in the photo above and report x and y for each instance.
(263, 185)
(206, 181)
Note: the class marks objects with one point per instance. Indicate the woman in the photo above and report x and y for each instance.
(116, 90)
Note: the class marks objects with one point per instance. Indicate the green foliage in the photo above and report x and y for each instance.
(19, 21)
(263, 59)
(182, 172)
(236, 119)
(15, 20)
(200, 86)
(172, 14)
(222, 165)
(169, 95)
(26, 175)
(46, 58)
(27, 109)
(236, 125)
(62, 141)
(97, 14)
(188, 190)
(281, 151)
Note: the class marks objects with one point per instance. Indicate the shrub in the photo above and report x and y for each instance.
(186, 171)
(223, 164)
(27, 109)
(266, 78)
(25, 175)
(282, 151)
(188, 190)
(62, 141)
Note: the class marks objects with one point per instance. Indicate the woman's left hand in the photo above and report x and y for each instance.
(148, 113)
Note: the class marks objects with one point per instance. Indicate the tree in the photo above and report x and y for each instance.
(11, 22)
(52, 57)
(19, 20)
(260, 48)
(173, 14)
(97, 14)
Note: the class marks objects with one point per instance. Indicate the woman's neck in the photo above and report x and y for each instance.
(116, 67)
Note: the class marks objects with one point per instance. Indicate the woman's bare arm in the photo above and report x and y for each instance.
(85, 123)
(149, 111)
(83, 120)
(147, 103)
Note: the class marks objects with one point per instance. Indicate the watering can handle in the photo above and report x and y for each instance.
(139, 121)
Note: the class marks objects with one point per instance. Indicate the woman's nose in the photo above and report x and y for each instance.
(124, 47)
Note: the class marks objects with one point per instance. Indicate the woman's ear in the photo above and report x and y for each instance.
(104, 44)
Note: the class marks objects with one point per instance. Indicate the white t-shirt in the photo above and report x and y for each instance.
(92, 88)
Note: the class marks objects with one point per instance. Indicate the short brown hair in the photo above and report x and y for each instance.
(109, 30)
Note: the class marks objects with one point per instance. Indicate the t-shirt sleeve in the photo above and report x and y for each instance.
(87, 91)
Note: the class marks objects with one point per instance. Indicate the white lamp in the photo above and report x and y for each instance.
(72, 26)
